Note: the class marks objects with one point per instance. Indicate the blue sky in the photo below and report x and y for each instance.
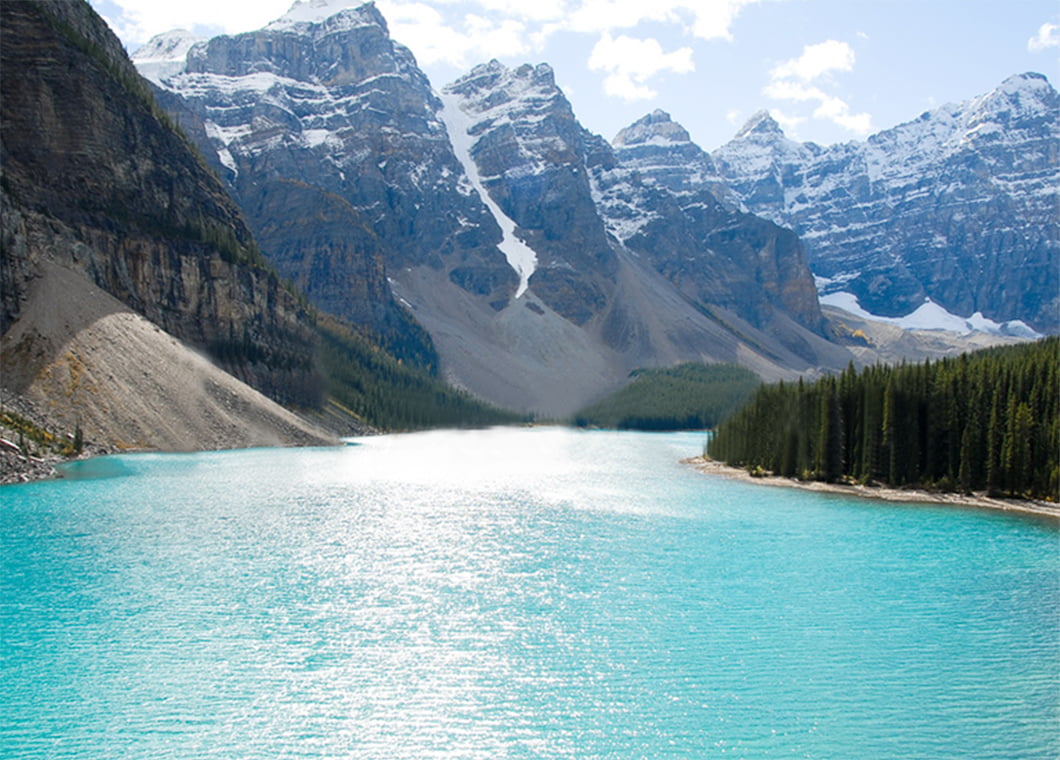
(828, 70)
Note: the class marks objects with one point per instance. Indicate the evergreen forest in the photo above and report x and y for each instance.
(687, 396)
(390, 394)
(986, 421)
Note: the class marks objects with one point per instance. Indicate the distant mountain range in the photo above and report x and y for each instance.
(960, 206)
(546, 263)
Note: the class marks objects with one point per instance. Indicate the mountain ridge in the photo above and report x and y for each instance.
(450, 231)
(957, 206)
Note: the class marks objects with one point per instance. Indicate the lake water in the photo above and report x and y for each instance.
(516, 593)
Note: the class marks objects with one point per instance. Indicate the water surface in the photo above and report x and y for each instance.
(513, 594)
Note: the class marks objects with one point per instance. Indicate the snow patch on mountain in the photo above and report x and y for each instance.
(521, 257)
(931, 316)
(314, 12)
(165, 55)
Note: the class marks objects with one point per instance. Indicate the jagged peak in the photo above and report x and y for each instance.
(167, 46)
(1028, 80)
(761, 123)
(318, 11)
(492, 69)
(495, 74)
(656, 128)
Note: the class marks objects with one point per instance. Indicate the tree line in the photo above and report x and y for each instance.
(390, 394)
(688, 396)
(986, 421)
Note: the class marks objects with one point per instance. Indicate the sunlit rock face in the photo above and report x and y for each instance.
(958, 205)
(328, 135)
(533, 155)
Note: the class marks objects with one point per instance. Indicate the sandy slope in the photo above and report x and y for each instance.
(529, 358)
(79, 355)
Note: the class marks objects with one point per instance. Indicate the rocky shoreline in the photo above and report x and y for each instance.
(19, 468)
(978, 500)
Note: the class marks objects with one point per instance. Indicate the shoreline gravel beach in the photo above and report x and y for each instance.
(978, 500)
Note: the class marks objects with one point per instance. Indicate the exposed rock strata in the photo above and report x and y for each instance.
(95, 179)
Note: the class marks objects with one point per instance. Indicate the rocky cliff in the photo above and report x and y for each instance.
(530, 156)
(329, 138)
(96, 180)
(958, 206)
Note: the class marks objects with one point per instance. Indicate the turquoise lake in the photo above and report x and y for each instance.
(513, 593)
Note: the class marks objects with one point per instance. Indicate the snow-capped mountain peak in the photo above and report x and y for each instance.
(316, 11)
(489, 87)
(167, 46)
(657, 128)
(760, 125)
(1029, 83)
(662, 152)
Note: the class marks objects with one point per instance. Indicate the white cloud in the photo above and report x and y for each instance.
(714, 18)
(537, 10)
(1048, 36)
(494, 39)
(817, 60)
(709, 19)
(423, 29)
(796, 80)
(136, 21)
(631, 62)
(788, 122)
(460, 42)
(785, 89)
(837, 111)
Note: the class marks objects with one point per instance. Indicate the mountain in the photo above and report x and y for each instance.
(328, 137)
(165, 54)
(958, 207)
(481, 214)
(120, 247)
(667, 203)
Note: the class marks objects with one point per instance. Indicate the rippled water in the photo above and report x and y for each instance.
(513, 593)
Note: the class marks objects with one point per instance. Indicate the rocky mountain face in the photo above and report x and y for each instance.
(96, 180)
(958, 206)
(666, 202)
(529, 156)
(488, 213)
(328, 136)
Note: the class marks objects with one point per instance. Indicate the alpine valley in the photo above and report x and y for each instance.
(273, 192)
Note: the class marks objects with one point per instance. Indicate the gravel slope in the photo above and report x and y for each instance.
(77, 355)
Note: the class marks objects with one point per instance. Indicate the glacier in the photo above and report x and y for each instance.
(930, 316)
